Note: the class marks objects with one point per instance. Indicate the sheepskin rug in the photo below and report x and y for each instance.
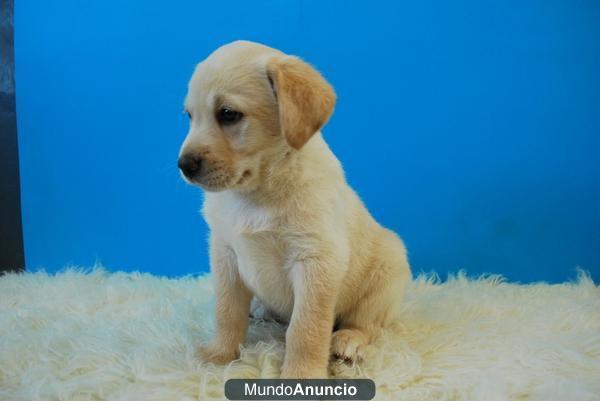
(97, 335)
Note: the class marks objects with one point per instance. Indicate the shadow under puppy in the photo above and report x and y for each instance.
(285, 226)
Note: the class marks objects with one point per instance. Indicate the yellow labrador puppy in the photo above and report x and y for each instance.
(285, 226)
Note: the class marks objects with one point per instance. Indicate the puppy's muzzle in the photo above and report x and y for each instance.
(189, 165)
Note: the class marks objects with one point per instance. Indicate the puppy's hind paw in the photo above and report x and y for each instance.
(216, 354)
(348, 345)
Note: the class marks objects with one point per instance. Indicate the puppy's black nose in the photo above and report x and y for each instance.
(189, 165)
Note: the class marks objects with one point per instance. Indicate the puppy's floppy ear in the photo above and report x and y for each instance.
(305, 99)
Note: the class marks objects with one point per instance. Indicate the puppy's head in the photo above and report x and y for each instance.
(249, 105)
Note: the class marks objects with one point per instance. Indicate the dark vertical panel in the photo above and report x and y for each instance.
(11, 232)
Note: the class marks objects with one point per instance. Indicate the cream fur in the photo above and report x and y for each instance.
(131, 337)
(285, 226)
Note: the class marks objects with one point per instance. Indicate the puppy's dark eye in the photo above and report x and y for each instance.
(227, 116)
(188, 114)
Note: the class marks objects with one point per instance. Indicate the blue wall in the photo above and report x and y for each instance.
(482, 119)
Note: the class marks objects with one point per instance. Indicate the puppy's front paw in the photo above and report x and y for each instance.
(348, 345)
(216, 354)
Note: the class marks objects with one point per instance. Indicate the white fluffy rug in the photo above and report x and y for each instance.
(103, 336)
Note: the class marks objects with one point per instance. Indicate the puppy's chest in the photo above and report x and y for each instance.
(263, 253)
(264, 266)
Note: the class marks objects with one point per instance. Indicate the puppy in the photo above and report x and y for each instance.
(285, 226)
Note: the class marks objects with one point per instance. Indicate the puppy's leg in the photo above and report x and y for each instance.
(359, 325)
(309, 333)
(358, 328)
(379, 303)
(232, 306)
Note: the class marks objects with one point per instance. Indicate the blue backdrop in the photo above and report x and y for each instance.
(482, 119)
